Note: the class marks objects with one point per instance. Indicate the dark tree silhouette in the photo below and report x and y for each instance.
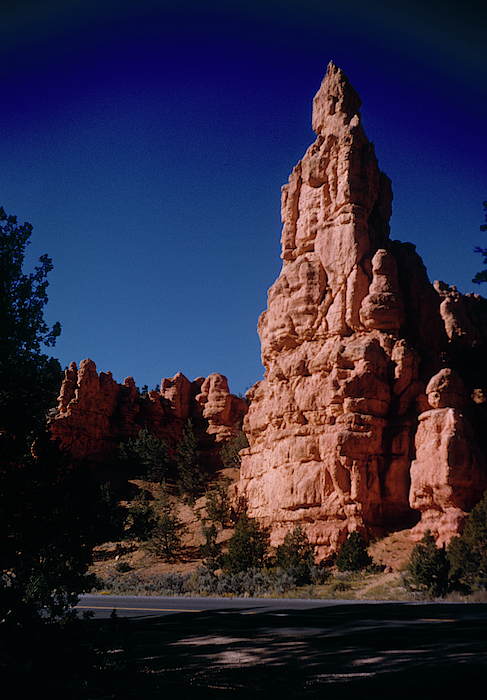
(482, 276)
(51, 515)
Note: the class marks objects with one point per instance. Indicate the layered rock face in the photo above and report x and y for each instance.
(352, 333)
(95, 413)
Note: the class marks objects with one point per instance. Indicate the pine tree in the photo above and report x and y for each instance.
(51, 515)
(468, 553)
(428, 568)
(247, 548)
(166, 540)
(191, 475)
(230, 452)
(353, 555)
(147, 456)
(482, 276)
(295, 554)
(211, 550)
(218, 506)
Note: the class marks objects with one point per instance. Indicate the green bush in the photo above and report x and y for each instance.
(468, 553)
(295, 555)
(146, 456)
(122, 567)
(141, 519)
(428, 568)
(211, 550)
(217, 505)
(167, 532)
(191, 474)
(353, 555)
(247, 547)
(230, 452)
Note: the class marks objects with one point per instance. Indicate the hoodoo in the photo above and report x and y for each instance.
(361, 421)
(95, 413)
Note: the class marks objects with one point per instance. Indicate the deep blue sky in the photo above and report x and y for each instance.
(147, 145)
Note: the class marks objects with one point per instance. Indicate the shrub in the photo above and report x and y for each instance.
(166, 535)
(320, 574)
(141, 519)
(295, 555)
(191, 475)
(340, 587)
(353, 555)
(230, 452)
(468, 553)
(428, 568)
(247, 547)
(122, 567)
(218, 503)
(211, 550)
(146, 456)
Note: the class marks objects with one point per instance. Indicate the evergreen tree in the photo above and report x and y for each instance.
(147, 456)
(428, 568)
(353, 555)
(468, 553)
(218, 506)
(230, 452)
(166, 537)
(295, 554)
(191, 475)
(211, 550)
(51, 515)
(29, 379)
(141, 519)
(247, 547)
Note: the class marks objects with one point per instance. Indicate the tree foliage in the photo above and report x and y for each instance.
(353, 555)
(51, 517)
(166, 540)
(147, 457)
(191, 474)
(141, 519)
(295, 554)
(51, 514)
(482, 276)
(218, 506)
(247, 547)
(428, 568)
(29, 380)
(211, 550)
(230, 452)
(468, 553)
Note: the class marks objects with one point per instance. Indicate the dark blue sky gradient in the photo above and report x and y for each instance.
(147, 144)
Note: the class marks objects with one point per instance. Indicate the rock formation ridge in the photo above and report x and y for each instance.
(343, 432)
(95, 413)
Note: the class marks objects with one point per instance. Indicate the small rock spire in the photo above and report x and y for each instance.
(336, 100)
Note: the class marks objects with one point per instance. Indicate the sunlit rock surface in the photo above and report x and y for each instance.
(95, 413)
(352, 333)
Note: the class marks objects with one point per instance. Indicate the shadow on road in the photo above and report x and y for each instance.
(428, 651)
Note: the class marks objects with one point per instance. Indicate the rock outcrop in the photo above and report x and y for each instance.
(95, 413)
(352, 333)
(449, 474)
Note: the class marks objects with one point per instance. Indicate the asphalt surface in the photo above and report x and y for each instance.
(283, 648)
(156, 606)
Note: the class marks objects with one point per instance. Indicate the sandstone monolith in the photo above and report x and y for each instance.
(352, 333)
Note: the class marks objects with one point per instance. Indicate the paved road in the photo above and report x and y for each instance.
(157, 606)
(210, 647)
